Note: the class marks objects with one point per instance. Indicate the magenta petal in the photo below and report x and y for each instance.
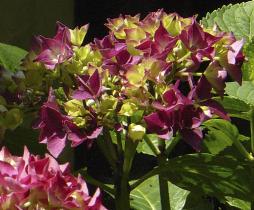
(234, 51)
(95, 133)
(95, 202)
(7, 169)
(63, 33)
(123, 57)
(163, 38)
(170, 97)
(235, 72)
(165, 134)
(195, 38)
(81, 95)
(193, 137)
(56, 145)
(55, 50)
(216, 75)
(216, 109)
(90, 87)
(95, 83)
(154, 123)
(74, 134)
(203, 89)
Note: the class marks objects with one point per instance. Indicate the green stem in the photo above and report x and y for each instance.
(252, 184)
(252, 151)
(154, 149)
(172, 145)
(242, 149)
(119, 143)
(163, 183)
(184, 57)
(197, 74)
(252, 129)
(106, 152)
(110, 145)
(122, 197)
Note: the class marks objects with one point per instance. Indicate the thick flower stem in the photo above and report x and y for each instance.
(163, 183)
(252, 184)
(172, 145)
(252, 129)
(122, 187)
(122, 194)
(252, 150)
(106, 150)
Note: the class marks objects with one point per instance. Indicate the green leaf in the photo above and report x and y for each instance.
(195, 201)
(237, 18)
(216, 176)
(216, 141)
(147, 196)
(145, 149)
(10, 56)
(177, 196)
(234, 106)
(248, 65)
(238, 203)
(245, 92)
(225, 126)
(220, 135)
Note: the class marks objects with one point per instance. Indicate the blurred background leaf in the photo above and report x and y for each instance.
(20, 20)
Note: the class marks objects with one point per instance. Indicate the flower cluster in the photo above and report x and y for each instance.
(155, 75)
(31, 182)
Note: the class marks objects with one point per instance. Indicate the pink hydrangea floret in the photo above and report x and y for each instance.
(30, 182)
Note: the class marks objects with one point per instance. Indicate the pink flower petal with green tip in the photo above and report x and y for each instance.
(90, 87)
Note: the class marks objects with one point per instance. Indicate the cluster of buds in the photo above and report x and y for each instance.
(155, 75)
(30, 182)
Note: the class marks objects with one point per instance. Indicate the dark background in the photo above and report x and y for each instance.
(96, 12)
(21, 19)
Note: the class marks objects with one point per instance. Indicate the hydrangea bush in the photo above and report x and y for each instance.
(149, 85)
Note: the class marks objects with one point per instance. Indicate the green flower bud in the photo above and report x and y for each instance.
(78, 35)
(74, 108)
(108, 104)
(79, 121)
(136, 75)
(83, 53)
(128, 109)
(136, 132)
